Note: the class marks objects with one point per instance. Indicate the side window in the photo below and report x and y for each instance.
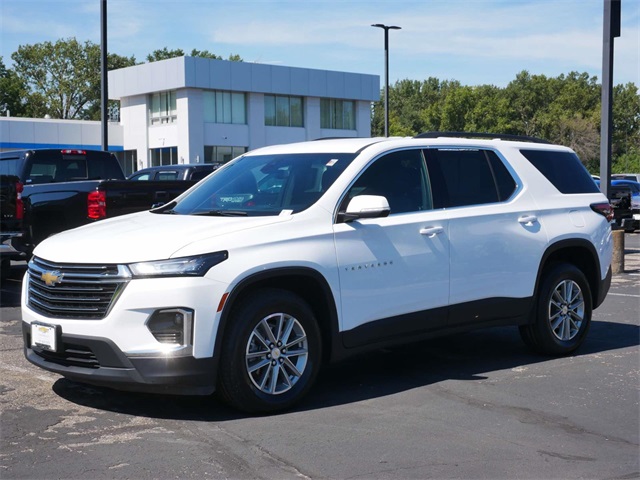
(172, 175)
(10, 166)
(141, 177)
(200, 174)
(466, 177)
(400, 177)
(504, 181)
(563, 169)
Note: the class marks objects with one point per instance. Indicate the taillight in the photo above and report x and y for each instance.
(97, 205)
(19, 202)
(604, 209)
(73, 152)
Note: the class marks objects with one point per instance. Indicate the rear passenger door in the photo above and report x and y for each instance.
(495, 238)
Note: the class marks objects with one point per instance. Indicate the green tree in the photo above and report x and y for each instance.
(62, 79)
(626, 119)
(12, 92)
(164, 54)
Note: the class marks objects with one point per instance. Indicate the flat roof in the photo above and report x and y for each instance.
(209, 74)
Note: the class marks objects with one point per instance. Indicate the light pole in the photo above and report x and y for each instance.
(386, 29)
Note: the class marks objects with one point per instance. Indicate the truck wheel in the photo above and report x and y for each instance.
(271, 352)
(562, 312)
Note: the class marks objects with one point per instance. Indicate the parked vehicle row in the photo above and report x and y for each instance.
(64, 189)
(11, 217)
(624, 196)
(185, 171)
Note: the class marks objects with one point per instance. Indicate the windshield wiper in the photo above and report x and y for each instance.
(222, 213)
(164, 208)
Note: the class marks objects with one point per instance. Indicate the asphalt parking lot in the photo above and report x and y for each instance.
(474, 406)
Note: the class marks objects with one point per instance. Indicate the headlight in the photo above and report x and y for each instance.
(196, 266)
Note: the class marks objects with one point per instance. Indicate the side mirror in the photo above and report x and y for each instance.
(366, 206)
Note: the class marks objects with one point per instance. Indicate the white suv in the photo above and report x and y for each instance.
(297, 254)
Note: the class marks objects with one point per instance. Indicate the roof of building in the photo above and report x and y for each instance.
(209, 74)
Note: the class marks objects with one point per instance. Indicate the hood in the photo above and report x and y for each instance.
(144, 236)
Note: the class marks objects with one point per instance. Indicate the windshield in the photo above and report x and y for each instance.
(263, 185)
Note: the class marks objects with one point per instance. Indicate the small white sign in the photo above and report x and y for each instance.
(43, 336)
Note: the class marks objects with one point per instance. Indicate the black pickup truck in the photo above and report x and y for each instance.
(66, 188)
(11, 227)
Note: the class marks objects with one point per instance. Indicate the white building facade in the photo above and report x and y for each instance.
(195, 110)
(199, 110)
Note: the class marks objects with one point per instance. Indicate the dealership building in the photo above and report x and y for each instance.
(196, 110)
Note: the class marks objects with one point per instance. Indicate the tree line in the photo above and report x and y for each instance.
(563, 110)
(62, 79)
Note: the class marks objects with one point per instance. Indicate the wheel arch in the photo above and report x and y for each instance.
(307, 283)
(580, 253)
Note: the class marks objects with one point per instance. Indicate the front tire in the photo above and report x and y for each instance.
(562, 314)
(271, 353)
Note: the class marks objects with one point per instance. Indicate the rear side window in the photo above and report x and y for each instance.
(10, 166)
(104, 166)
(563, 169)
(167, 175)
(200, 174)
(467, 177)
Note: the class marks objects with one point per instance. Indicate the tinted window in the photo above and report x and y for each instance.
(200, 174)
(141, 177)
(103, 165)
(167, 175)
(563, 169)
(465, 177)
(45, 166)
(10, 166)
(504, 181)
(400, 177)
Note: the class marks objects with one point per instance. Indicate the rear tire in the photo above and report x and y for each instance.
(562, 315)
(271, 352)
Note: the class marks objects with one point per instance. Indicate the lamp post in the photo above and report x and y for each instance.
(386, 29)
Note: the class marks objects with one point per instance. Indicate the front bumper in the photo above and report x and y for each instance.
(98, 361)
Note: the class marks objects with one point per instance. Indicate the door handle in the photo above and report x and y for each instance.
(527, 219)
(431, 231)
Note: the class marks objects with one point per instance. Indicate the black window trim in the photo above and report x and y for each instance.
(422, 148)
(484, 149)
(336, 212)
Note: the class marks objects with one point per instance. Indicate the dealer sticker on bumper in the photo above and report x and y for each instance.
(43, 336)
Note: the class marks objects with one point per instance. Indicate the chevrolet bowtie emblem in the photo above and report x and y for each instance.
(51, 278)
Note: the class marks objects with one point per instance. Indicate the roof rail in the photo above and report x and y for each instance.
(500, 136)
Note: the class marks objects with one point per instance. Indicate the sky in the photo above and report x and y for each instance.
(473, 41)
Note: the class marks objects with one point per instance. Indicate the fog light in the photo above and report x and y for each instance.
(172, 326)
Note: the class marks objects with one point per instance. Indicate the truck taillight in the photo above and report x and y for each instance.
(73, 152)
(604, 209)
(96, 205)
(19, 202)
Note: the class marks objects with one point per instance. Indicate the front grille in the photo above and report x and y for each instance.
(62, 290)
(71, 356)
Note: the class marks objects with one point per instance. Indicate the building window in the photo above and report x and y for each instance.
(337, 114)
(164, 156)
(214, 154)
(225, 107)
(283, 111)
(163, 108)
(128, 160)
